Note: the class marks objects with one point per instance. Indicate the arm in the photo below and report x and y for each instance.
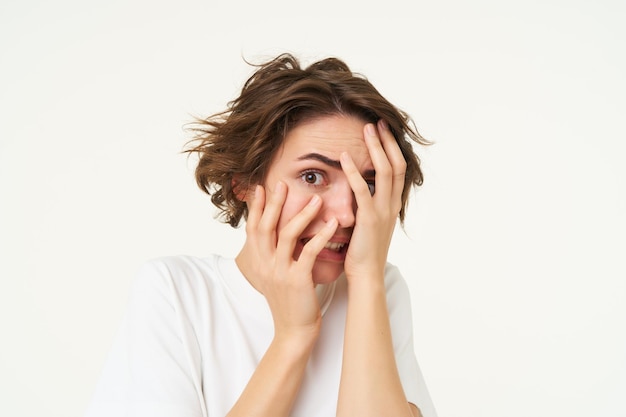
(149, 371)
(267, 261)
(274, 385)
(370, 383)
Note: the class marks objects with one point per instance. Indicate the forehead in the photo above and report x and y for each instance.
(329, 135)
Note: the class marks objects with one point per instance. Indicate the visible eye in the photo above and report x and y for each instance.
(312, 178)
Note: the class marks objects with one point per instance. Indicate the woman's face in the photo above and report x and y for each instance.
(308, 163)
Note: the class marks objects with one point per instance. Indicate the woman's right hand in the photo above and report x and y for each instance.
(267, 261)
(268, 256)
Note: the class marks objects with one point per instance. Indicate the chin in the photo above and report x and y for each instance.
(326, 272)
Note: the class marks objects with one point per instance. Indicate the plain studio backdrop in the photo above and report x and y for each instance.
(514, 248)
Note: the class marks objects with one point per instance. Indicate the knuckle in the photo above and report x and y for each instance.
(264, 227)
(399, 176)
(309, 250)
(361, 187)
(289, 232)
(384, 170)
(249, 228)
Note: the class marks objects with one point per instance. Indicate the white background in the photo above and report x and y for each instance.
(514, 247)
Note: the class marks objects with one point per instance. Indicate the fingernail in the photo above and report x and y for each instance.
(280, 186)
(370, 129)
(257, 191)
(382, 123)
(314, 200)
(332, 223)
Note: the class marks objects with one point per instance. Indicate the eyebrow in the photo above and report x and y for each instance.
(370, 173)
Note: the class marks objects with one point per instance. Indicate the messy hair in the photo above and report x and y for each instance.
(236, 147)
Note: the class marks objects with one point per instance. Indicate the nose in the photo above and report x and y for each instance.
(340, 204)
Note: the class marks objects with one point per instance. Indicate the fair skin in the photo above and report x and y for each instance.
(314, 218)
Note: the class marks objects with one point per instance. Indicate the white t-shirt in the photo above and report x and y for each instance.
(196, 329)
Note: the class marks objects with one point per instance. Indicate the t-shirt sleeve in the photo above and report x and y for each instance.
(401, 319)
(152, 368)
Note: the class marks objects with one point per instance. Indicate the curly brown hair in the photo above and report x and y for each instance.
(236, 146)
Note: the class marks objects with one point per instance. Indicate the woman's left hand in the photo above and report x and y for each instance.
(376, 214)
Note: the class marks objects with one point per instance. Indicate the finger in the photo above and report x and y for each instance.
(255, 209)
(314, 246)
(357, 183)
(292, 231)
(380, 161)
(270, 216)
(396, 158)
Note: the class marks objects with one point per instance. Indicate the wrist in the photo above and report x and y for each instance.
(366, 278)
(300, 340)
(366, 288)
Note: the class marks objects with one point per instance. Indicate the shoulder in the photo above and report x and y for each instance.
(178, 268)
(179, 265)
(181, 275)
(394, 281)
(398, 295)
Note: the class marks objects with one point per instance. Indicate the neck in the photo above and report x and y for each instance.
(245, 266)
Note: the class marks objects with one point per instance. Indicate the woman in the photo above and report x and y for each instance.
(309, 319)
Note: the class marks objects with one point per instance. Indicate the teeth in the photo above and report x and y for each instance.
(336, 246)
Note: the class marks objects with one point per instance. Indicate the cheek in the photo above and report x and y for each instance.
(294, 204)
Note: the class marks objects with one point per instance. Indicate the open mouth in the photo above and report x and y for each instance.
(333, 246)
